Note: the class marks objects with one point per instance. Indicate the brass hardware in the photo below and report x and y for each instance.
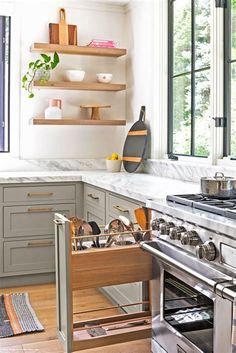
(36, 194)
(120, 208)
(45, 209)
(93, 197)
(40, 243)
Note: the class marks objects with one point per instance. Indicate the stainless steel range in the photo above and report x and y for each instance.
(194, 265)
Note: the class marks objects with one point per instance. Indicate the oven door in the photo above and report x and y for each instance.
(188, 317)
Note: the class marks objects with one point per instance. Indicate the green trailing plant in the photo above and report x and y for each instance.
(44, 65)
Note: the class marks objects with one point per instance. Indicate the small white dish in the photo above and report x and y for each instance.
(74, 75)
(113, 165)
(104, 78)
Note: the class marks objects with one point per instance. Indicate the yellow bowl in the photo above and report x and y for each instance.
(113, 165)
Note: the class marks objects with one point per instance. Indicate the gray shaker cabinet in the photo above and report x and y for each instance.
(27, 228)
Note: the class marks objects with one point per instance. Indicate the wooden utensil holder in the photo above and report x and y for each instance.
(96, 268)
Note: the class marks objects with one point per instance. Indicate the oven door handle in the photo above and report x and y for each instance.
(218, 288)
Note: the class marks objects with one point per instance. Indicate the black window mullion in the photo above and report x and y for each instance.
(227, 79)
(170, 75)
(193, 81)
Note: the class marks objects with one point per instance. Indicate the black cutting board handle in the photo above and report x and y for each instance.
(142, 113)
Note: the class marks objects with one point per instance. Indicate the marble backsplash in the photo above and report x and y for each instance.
(184, 171)
(15, 164)
(163, 168)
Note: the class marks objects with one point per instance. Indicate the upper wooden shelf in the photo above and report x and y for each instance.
(42, 121)
(77, 50)
(84, 86)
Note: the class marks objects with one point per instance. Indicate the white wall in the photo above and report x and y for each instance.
(93, 21)
(132, 27)
(140, 68)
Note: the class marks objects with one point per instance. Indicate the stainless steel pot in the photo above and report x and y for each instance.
(219, 186)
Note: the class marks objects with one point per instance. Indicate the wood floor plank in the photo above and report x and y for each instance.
(43, 300)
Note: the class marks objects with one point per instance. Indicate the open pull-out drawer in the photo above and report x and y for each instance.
(78, 271)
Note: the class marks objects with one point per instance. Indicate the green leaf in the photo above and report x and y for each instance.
(24, 78)
(47, 67)
(56, 58)
(31, 95)
(31, 64)
(46, 58)
(53, 65)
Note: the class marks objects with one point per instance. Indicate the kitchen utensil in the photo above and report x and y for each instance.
(115, 226)
(62, 33)
(96, 231)
(104, 78)
(219, 186)
(138, 236)
(74, 75)
(135, 147)
(140, 216)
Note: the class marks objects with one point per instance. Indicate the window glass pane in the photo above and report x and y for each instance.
(182, 115)
(233, 30)
(233, 110)
(202, 33)
(202, 113)
(182, 36)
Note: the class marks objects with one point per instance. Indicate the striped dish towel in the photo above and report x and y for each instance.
(17, 315)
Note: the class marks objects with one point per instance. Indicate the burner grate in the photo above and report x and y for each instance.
(225, 208)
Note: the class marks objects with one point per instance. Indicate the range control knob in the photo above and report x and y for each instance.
(191, 237)
(206, 251)
(175, 233)
(156, 222)
(165, 227)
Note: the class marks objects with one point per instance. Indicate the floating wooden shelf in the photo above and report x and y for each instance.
(77, 50)
(82, 86)
(42, 121)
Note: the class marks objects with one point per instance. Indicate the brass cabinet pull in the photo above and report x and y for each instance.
(36, 194)
(40, 243)
(42, 209)
(93, 197)
(120, 208)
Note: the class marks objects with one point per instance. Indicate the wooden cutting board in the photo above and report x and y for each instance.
(62, 33)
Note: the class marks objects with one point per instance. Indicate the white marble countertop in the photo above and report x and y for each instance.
(139, 186)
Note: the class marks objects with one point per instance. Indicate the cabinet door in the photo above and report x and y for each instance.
(93, 214)
(22, 221)
(29, 256)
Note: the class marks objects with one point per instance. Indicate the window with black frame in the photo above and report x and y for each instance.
(230, 78)
(4, 82)
(189, 78)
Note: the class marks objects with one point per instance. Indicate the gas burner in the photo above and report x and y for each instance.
(225, 208)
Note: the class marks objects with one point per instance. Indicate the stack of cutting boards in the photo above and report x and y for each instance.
(62, 33)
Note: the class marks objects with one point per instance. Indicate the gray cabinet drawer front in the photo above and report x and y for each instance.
(94, 196)
(39, 193)
(29, 255)
(92, 214)
(21, 221)
(118, 206)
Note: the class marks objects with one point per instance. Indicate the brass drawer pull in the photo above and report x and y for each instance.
(40, 243)
(40, 194)
(118, 208)
(45, 209)
(93, 197)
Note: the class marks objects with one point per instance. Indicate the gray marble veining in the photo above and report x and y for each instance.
(139, 186)
(183, 170)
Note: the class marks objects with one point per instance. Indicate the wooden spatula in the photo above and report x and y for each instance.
(140, 216)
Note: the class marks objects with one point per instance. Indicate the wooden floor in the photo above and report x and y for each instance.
(43, 300)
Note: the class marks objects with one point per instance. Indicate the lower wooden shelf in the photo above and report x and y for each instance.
(42, 121)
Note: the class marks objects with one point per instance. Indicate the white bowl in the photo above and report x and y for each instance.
(104, 78)
(113, 165)
(74, 75)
